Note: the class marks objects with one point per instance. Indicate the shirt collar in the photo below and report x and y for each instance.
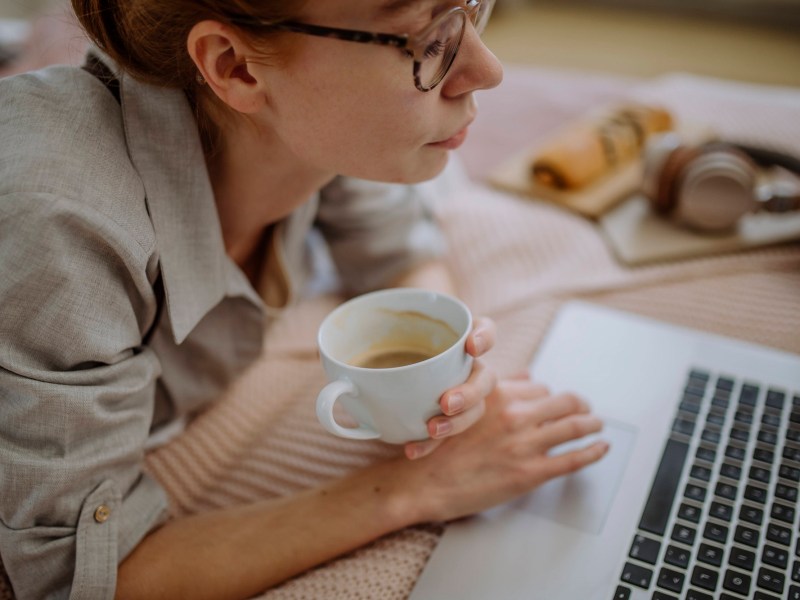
(165, 149)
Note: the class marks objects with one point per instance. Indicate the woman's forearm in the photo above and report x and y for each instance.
(240, 551)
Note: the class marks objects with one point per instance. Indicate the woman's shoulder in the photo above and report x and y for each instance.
(62, 137)
(59, 114)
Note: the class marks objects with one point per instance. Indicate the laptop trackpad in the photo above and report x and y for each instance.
(582, 500)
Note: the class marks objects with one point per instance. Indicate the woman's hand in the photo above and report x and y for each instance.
(505, 454)
(464, 404)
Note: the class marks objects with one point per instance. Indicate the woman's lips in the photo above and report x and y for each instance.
(453, 142)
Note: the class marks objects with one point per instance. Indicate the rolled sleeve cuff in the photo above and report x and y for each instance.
(81, 563)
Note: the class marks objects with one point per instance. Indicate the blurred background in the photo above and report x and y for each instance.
(746, 40)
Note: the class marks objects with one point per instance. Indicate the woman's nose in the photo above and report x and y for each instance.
(474, 68)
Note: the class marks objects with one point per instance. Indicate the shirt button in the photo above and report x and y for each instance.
(102, 513)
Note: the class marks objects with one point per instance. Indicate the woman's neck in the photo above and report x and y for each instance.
(257, 181)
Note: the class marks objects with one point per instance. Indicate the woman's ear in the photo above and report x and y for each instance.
(219, 54)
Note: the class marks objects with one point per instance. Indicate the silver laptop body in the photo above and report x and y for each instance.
(601, 534)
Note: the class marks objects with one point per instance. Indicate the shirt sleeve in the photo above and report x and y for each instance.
(76, 397)
(376, 232)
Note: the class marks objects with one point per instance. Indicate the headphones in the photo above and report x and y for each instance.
(711, 186)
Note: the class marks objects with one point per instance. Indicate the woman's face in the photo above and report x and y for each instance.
(353, 109)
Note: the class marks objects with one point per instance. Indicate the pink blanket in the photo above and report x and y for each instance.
(514, 260)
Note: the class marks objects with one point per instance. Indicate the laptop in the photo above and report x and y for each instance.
(697, 498)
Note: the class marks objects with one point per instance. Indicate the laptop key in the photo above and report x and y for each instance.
(696, 595)
(689, 512)
(636, 575)
(760, 475)
(711, 555)
(670, 580)
(775, 399)
(762, 596)
(739, 434)
(683, 426)
(622, 593)
(744, 559)
(781, 512)
(726, 490)
(705, 578)
(792, 454)
(768, 437)
(663, 596)
(735, 452)
(795, 571)
(747, 536)
(794, 592)
(683, 534)
(662, 493)
(749, 394)
(751, 514)
(721, 511)
(777, 557)
(715, 532)
(706, 454)
(771, 580)
(737, 582)
(779, 534)
(771, 419)
(786, 492)
(700, 472)
(755, 493)
(789, 472)
(765, 456)
(730, 471)
(645, 549)
(676, 556)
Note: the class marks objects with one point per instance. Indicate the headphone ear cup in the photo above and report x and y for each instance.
(657, 155)
(715, 189)
(708, 187)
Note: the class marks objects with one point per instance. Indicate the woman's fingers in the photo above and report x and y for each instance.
(574, 460)
(443, 426)
(524, 389)
(415, 450)
(469, 394)
(567, 429)
(482, 337)
(557, 407)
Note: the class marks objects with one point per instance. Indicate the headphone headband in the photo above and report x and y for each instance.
(765, 157)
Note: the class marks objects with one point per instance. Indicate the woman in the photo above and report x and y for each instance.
(154, 207)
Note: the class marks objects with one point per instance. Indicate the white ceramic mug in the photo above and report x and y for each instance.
(391, 327)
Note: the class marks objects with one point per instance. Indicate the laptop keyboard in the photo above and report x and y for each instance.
(721, 520)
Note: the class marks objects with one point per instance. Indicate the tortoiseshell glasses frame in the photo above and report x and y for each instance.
(424, 47)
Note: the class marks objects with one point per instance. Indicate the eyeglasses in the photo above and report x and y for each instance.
(433, 49)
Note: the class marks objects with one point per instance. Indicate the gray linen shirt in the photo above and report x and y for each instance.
(96, 201)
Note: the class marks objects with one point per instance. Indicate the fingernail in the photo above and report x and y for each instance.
(414, 452)
(443, 428)
(479, 343)
(455, 402)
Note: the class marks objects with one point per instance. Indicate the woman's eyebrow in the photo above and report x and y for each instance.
(392, 8)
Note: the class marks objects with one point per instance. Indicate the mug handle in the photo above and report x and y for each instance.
(325, 401)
